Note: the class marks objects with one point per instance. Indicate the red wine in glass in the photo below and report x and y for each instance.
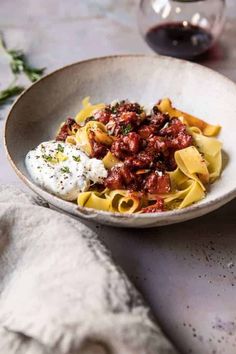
(179, 39)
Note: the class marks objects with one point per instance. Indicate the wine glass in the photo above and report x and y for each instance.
(181, 28)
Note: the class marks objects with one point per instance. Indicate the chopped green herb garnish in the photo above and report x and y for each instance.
(65, 170)
(47, 157)
(114, 108)
(60, 148)
(126, 129)
(76, 158)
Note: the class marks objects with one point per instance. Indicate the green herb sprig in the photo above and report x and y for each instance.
(10, 92)
(18, 64)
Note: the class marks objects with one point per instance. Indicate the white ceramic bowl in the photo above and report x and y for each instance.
(195, 89)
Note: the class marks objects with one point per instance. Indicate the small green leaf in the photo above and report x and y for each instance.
(60, 148)
(65, 170)
(76, 158)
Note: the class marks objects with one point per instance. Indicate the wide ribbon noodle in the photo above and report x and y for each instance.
(100, 134)
(117, 201)
(87, 110)
(165, 106)
(188, 182)
(197, 165)
(188, 179)
(211, 150)
(82, 136)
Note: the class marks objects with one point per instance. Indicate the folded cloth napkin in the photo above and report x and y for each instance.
(60, 292)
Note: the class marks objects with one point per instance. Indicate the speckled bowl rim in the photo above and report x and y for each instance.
(190, 211)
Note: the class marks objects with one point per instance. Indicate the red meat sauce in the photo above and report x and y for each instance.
(145, 145)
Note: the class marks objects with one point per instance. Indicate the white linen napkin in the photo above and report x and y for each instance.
(60, 292)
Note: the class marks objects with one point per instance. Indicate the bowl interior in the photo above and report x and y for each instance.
(36, 115)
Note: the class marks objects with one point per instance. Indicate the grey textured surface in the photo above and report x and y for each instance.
(186, 272)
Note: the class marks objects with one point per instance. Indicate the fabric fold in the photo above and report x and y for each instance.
(60, 291)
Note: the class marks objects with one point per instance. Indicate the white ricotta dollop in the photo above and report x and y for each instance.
(63, 169)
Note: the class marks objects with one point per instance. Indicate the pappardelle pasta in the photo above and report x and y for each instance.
(120, 157)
